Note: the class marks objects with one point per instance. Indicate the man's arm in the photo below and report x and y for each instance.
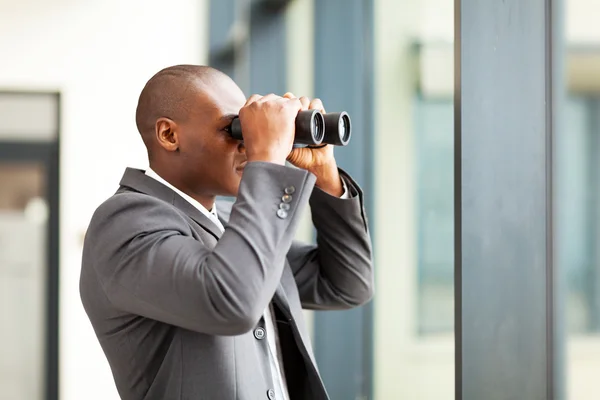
(337, 272)
(148, 264)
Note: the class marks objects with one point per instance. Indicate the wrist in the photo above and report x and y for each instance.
(265, 157)
(328, 179)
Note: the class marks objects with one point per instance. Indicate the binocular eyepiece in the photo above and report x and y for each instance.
(312, 128)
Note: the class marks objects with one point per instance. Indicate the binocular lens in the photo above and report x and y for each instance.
(318, 128)
(345, 128)
(338, 128)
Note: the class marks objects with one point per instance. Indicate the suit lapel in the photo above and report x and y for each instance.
(280, 298)
(196, 215)
(138, 181)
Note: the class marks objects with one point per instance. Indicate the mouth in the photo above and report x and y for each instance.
(240, 168)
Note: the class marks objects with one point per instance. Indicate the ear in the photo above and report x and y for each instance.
(167, 134)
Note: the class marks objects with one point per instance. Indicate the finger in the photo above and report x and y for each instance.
(252, 99)
(305, 102)
(269, 97)
(297, 104)
(290, 156)
(316, 104)
(293, 103)
(289, 95)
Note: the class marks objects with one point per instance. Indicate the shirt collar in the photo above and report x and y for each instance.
(212, 214)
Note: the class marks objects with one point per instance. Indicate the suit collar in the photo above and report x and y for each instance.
(137, 180)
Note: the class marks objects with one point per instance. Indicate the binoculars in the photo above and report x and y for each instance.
(312, 128)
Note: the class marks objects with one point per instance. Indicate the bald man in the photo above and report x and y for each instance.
(191, 299)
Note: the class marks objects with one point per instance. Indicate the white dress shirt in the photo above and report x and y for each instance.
(275, 360)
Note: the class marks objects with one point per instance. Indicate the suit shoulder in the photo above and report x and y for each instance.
(130, 211)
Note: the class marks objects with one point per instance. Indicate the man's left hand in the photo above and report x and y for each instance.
(318, 160)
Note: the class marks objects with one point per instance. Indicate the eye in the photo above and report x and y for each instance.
(226, 122)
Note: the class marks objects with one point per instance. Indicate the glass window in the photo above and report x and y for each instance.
(434, 159)
(16, 110)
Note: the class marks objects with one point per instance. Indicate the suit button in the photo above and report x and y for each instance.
(284, 206)
(271, 394)
(281, 213)
(259, 333)
(290, 190)
(286, 198)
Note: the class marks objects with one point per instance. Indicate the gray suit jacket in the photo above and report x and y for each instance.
(175, 304)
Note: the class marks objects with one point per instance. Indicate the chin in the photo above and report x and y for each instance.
(234, 187)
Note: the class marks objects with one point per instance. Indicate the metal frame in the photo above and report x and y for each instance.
(222, 44)
(507, 102)
(247, 41)
(267, 69)
(344, 81)
(47, 153)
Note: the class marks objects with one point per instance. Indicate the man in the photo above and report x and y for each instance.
(193, 301)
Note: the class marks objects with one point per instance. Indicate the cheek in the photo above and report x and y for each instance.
(193, 147)
(226, 149)
(206, 152)
(220, 159)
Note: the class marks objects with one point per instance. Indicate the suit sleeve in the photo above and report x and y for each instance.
(149, 264)
(337, 272)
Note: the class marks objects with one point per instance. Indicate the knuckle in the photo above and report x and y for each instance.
(292, 105)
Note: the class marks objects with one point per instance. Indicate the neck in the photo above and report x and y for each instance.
(207, 201)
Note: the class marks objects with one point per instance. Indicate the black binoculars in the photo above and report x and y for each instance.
(312, 128)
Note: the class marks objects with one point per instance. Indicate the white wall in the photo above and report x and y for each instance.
(406, 366)
(98, 54)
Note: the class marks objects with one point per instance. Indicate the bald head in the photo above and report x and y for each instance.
(171, 94)
(183, 115)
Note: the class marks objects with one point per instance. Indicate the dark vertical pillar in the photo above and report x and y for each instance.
(267, 53)
(344, 81)
(53, 245)
(593, 231)
(556, 59)
(507, 72)
(221, 45)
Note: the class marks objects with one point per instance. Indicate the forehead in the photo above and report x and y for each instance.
(220, 96)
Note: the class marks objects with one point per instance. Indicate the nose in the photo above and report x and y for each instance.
(241, 148)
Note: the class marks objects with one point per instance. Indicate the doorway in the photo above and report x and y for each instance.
(29, 229)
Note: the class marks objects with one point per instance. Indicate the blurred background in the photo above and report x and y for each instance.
(70, 75)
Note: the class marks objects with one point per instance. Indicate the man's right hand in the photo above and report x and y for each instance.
(268, 123)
